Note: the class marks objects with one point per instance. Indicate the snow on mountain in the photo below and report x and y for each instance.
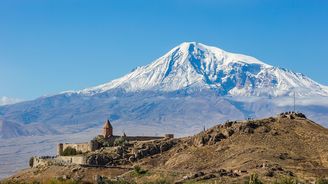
(195, 66)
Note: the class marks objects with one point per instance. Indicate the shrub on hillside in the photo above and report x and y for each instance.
(99, 138)
(69, 151)
(119, 181)
(119, 141)
(254, 179)
(31, 162)
(107, 144)
(57, 181)
(159, 181)
(322, 181)
(105, 180)
(138, 170)
(286, 180)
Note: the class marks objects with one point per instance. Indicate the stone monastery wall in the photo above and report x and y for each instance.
(83, 147)
(61, 160)
(141, 138)
(73, 159)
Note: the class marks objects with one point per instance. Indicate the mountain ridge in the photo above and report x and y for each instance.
(197, 66)
(186, 84)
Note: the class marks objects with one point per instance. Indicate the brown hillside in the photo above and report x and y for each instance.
(285, 146)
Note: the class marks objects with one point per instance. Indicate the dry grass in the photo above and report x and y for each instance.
(295, 147)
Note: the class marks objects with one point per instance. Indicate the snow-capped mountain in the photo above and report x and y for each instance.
(190, 86)
(196, 67)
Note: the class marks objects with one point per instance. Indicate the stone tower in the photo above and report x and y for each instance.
(60, 147)
(93, 145)
(107, 130)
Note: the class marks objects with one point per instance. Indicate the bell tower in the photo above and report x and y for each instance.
(107, 129)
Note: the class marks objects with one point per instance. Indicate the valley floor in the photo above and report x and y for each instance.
(15, 152)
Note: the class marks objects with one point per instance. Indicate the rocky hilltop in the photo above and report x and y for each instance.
(286, 147)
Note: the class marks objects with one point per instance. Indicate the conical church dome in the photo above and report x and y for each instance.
(107, 129)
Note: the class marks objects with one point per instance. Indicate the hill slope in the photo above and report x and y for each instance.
(285, 146)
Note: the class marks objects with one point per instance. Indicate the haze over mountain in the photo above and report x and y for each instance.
(7, 100)
(190, 86)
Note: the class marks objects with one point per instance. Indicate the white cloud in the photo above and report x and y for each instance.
(287, 100)
(7, 100)
(303, 101)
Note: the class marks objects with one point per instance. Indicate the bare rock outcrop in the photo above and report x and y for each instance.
(99, 160)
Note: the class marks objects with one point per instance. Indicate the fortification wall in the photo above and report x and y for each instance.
(142, 138)
(93, 145)
(83, 147)
(72, 159)
(60, 160)
(139, 138)
(39, 162)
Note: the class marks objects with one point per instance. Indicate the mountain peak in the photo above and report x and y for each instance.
(195, 66)
(191, 46)
(226, 58)
(187, 44)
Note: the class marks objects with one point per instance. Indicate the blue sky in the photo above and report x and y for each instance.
(49, 46)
